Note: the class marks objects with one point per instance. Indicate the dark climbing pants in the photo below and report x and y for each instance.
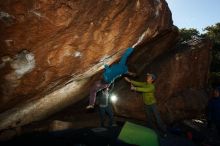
(102, 112)
(151, 113)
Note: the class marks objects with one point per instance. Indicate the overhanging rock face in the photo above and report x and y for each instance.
(182, 73)
(50, 49)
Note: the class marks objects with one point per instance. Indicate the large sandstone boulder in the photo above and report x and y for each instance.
(50, 50)
(182, 72)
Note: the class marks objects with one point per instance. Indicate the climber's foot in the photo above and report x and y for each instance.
(90, 107)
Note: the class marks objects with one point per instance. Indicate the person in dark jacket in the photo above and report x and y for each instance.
(214, 110)
(105, 107)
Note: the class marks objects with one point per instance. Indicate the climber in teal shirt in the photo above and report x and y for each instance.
(116, 70)
(110, 74)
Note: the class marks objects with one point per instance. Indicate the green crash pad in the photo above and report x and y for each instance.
(138, 135)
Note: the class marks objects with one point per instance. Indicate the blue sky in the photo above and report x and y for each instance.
(194, 13)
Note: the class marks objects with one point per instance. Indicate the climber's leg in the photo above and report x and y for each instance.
(99, 85)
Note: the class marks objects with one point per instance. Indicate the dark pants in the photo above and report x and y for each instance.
(217, 124)
(102, 112)
(151, 113)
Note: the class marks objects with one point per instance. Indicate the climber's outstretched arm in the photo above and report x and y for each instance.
(125, 56)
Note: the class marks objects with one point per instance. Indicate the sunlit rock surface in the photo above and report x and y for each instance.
(50, 49)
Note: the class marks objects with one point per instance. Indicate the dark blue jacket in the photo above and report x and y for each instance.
(214, 110)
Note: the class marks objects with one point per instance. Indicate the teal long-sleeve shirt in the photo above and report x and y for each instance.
(148, 91)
